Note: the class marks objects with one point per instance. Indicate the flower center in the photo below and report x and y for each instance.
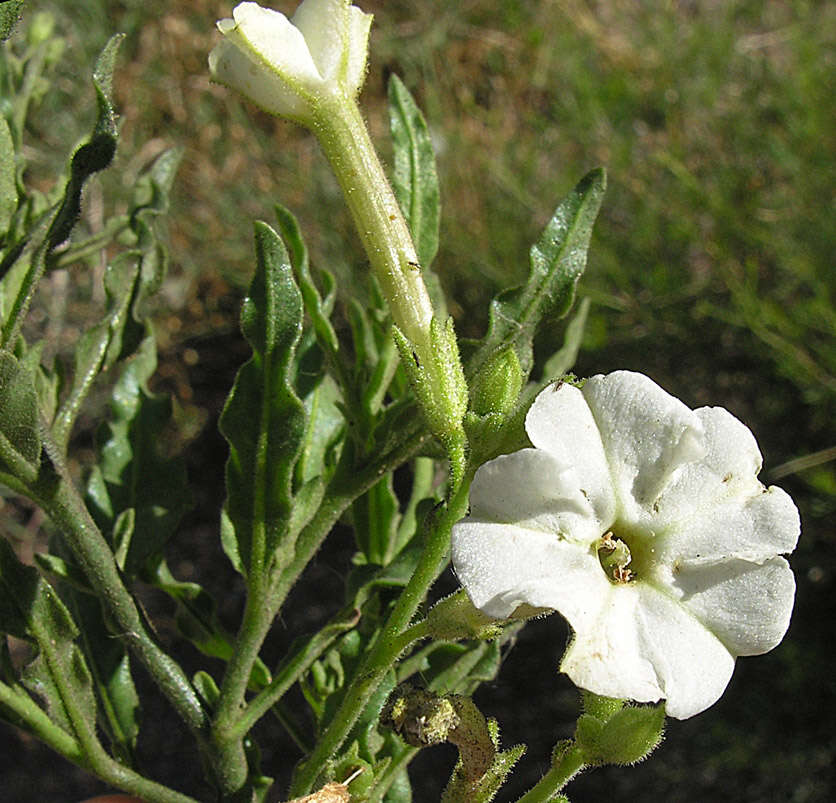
(615, 557)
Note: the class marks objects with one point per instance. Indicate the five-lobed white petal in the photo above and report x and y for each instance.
(285, 65)
(680, 487)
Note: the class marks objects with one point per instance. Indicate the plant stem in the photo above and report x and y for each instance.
(60, 500)
(567, 764)
(28, 715)
(290, 671)
(389, 645)
(230, 761)
(96, 758)
(342, 133)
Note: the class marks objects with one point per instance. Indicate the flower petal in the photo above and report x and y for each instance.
(232, 67)
(359, 25)
(729, 468)
(748, 607)
(276, 42)
(751, 529)
(645, 646)
(560, 422)
(647, 434)
(531, 489)
(503, 566)
(324, 24)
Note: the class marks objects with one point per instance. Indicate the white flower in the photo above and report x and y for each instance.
(286, 66)
(644, 524)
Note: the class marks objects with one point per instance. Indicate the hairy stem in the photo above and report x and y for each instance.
(394, 637)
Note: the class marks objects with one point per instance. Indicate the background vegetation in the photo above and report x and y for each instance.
(711, 270)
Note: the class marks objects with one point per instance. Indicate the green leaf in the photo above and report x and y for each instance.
(8, 184)
(9, 16)
(110, 668)
(150, 203)
(19, 417)
(30, 609)
(99, 347)
(263, 419)
(558, 259)
(564, 359)
(414, 179)
(318, 310)
(97, 153)
(376, 517)
(135, 471)
(197, 620)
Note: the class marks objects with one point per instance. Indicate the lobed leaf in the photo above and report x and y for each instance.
(263, 419)
(135, 473)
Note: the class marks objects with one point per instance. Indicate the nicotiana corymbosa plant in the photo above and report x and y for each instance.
(640, 521)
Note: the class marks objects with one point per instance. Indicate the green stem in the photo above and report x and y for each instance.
(230, 760)
(25, 713)
(60, 500)
(567, 764)
(346, 486)
(393, 638)
(96, 758)
(92, 245)
(262, 605)
(290, 671)
(342, 133)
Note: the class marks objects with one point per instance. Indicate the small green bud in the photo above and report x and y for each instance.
(497, 386)
(626, 737)
(438, 380)
(40, 28)
(455, 617)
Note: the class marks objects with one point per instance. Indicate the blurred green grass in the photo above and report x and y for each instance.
(712, 263)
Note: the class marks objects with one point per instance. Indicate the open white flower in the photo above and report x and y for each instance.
(644, 524)
(286, 66)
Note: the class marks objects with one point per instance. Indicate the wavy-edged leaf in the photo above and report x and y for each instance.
(263, 419)
(99, 347)
(414, 179)
(94, 155)
(558, 259)
(19, 416)
(110, 668)
(30, 609)
(376, 516)
(318, 308)
(135, 472)
(8, 183)
(197, 620)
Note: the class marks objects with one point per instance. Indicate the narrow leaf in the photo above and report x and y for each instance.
(264, 420)
(97, 153)
(135, 471)
(8, 185)
(558, 259)
(30, 609)
(414, 179)
(99, 346)
(19, 423)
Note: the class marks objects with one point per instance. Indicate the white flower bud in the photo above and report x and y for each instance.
(287, 66)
